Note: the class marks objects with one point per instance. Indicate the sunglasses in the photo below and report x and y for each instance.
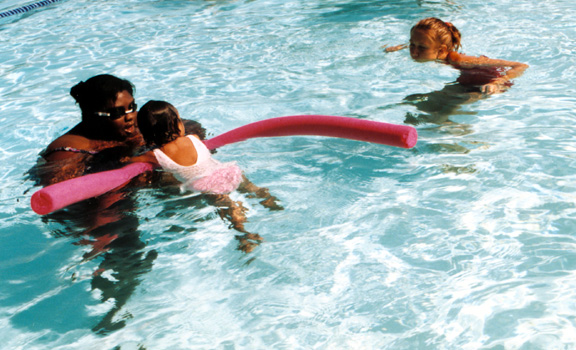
(118, 112)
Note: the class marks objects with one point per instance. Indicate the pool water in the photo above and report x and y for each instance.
(466, 241)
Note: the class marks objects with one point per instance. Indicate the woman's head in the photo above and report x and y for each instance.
(432, 39)
(107, 103)
(159, 123)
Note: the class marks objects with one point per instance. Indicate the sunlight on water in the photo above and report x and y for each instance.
(464, 242)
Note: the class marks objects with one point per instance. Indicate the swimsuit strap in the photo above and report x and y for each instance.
(67, 149)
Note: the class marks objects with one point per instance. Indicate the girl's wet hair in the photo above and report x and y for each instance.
(444, 32)
(99, 92)
(159, 123)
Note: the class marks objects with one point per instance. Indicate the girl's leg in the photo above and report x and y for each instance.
(268, 201)
(235, 213)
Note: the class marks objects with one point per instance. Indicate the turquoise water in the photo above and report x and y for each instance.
(466, 241)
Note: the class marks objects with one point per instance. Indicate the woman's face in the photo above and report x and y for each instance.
(122, 124)
(422, 47)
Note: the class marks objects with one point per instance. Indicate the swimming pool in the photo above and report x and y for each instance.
(464, 242)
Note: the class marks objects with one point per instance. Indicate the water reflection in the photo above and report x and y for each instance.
(436, 107)
(108, 227)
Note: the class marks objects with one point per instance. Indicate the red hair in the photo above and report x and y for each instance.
(443, 32)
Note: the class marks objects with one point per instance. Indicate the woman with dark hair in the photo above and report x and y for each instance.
(108, 123)
(107, 134)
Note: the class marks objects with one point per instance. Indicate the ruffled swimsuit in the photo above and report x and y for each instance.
(207, 175)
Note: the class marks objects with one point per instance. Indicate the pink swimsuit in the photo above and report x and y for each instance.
(208, 175)
(479, 75)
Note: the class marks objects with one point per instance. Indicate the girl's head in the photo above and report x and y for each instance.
(432, 39)
(107, 104)
(159, 123)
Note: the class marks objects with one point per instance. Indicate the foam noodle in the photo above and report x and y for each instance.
(62, 194)
(321, 125)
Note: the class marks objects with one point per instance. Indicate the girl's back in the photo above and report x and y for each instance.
(181, 151)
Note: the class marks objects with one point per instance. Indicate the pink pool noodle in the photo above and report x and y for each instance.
(321, 125)
(62, 194)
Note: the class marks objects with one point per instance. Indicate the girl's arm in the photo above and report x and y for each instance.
(497, 84)
(147, 157)
(394, 48)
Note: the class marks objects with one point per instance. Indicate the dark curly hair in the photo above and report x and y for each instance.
(159, 123)
(99, 92)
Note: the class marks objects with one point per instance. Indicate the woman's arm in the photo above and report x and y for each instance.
(54, 171)
(147, 157)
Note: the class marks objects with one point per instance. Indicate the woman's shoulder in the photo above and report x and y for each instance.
(72, 141)
(74, 138)
(68, 145)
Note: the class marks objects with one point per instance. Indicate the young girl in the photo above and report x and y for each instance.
(432, 39)
(190, 161)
